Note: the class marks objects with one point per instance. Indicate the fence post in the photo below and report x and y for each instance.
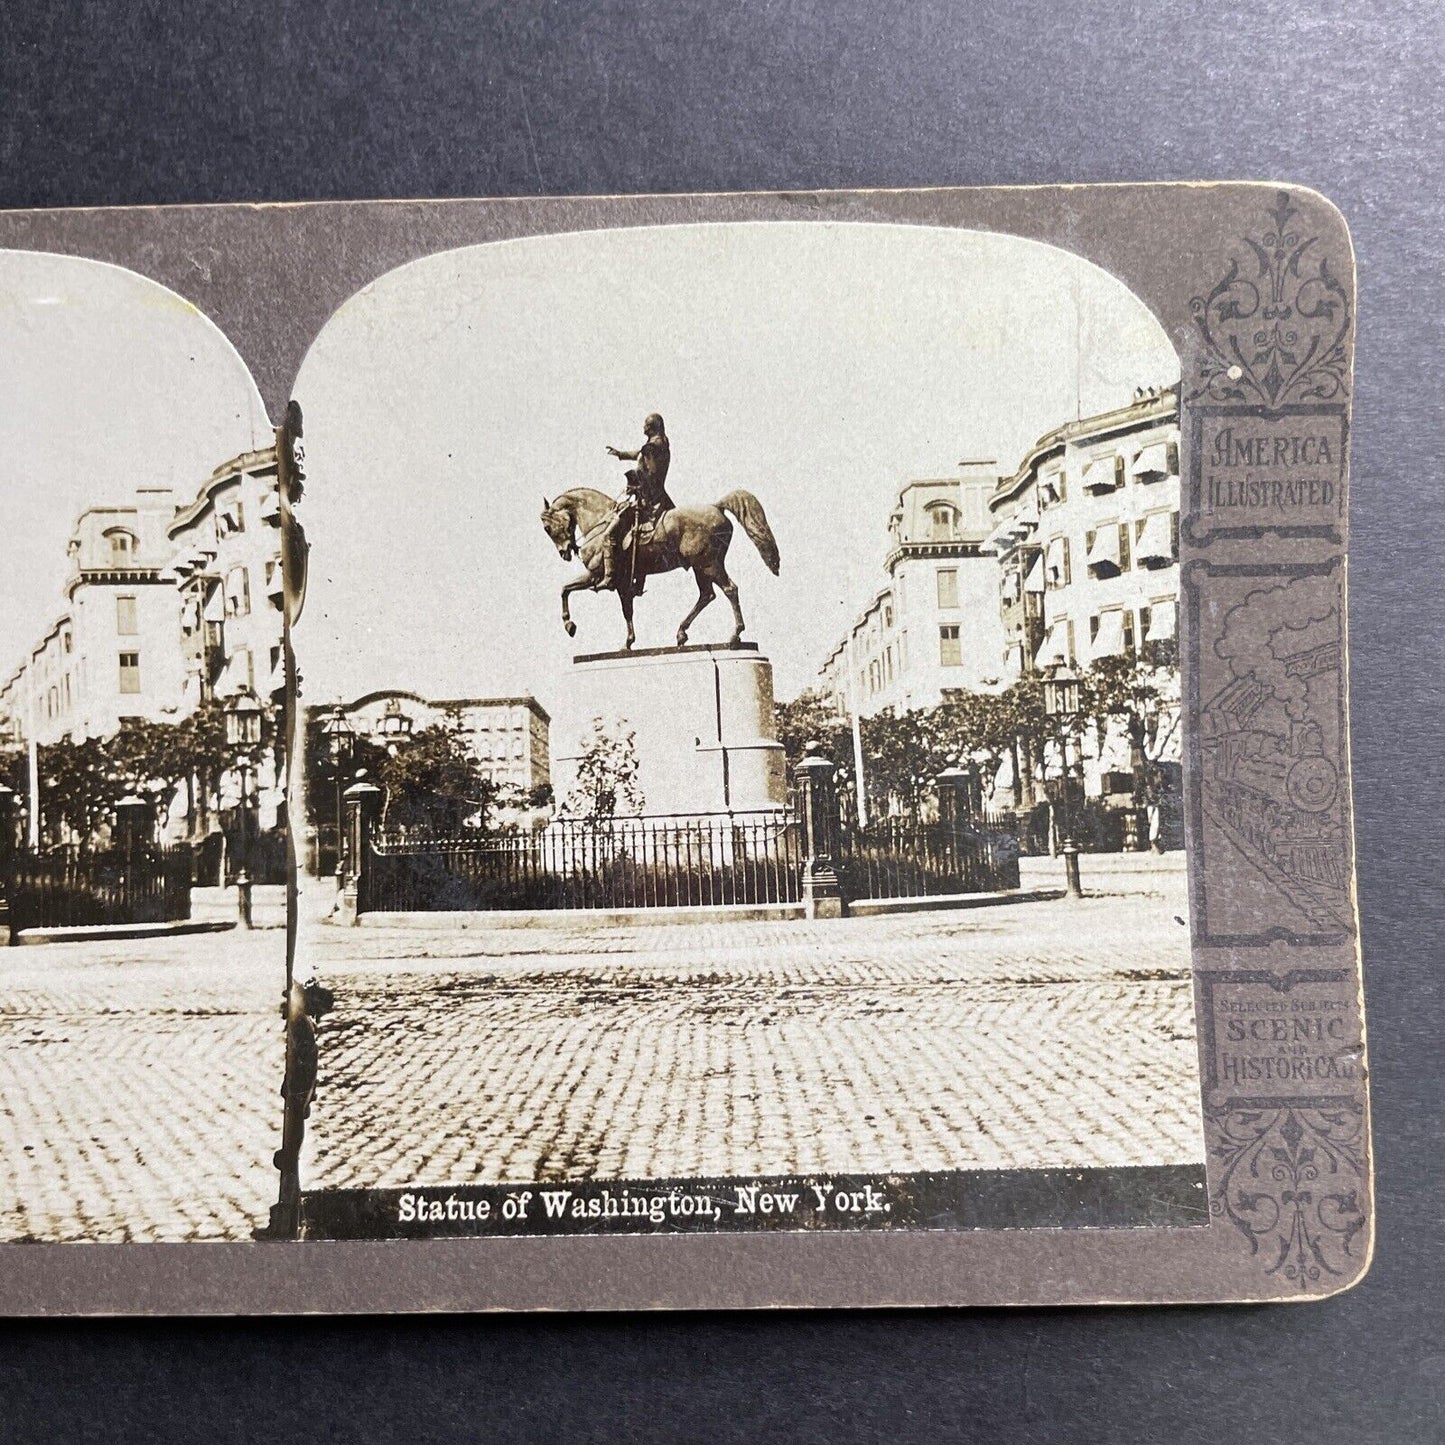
(363, 807)
(818, 808)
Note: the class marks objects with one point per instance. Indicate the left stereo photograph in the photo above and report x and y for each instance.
(143, 848)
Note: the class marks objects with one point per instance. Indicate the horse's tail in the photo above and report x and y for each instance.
(749, 511)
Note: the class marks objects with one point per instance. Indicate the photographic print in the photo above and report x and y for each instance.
(142, 815)
(744, 886)
(681, 750)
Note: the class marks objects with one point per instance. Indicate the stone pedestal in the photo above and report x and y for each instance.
(702, 719)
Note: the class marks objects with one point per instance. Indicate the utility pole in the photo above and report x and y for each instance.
(33, 752)
(862, 784)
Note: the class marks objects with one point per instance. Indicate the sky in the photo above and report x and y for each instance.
(818, 365)
(108, 382)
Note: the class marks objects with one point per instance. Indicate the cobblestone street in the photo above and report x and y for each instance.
(1022, 1035)
(139, 1081)
(139, 1087)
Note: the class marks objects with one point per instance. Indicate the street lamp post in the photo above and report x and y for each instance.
(7, 846)
(1062, 700)
(243, 736)
(341, 738)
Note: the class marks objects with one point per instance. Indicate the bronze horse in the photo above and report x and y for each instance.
(695, 538)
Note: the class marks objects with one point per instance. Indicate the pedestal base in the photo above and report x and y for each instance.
(702, 724)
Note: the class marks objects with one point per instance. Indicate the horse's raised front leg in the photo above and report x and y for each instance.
(705, 594)
(581, 584)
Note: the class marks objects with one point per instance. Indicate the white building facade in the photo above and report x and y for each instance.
(1086, 533)
(168, 608)
(112, 655)
(935, 625)
(226, 564)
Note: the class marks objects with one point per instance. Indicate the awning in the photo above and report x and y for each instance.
(1011, 585)
(1100, 475)
(1000, 540)
(1055, 649)
(1104, 549)
(1161, 621)
(1152, 464)
(271, 506)
(235, 676)
(1024, 520)
(215, 609)
(1109, 639)
(1034, 582)
(190, 615)
(1155, 547)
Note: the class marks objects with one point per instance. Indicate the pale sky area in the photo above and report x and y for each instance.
(818, 365)
(108, 382)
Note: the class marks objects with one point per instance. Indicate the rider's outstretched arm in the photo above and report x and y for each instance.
(624, 456)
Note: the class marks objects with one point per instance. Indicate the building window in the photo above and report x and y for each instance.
(888, 614)
(943, 521)
(948, 587)
(1171, 452)
(130, 672)
(125, 618)
(122, 547)
(1057, 572)
(66, 643)
(238, 592)
(1129, 645)
(1123, 546)
(950, 652)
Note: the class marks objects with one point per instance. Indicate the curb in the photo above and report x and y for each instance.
(571, 918)
(83, 934)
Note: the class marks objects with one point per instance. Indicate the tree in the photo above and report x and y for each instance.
(606, 784)
(78, 789)
(433, 780)
(903, 752)
(1142, 694)
(809, 718)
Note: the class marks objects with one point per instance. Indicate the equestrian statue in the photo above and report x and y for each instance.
(621, 542)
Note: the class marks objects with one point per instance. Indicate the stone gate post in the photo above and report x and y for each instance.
(818, 813)
(363, 809)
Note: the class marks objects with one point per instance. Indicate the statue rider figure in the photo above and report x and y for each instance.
(646, 497)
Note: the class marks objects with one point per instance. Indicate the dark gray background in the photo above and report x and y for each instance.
(160, 103)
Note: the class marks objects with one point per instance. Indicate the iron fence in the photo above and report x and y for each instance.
(662, 862)
(644, 862)
(81, 888)
(903, 857)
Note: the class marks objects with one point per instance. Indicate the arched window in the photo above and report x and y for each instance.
(943, 522)
(122, 547)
